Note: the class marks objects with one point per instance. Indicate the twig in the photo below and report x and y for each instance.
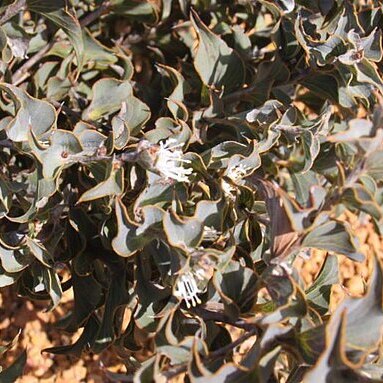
(224, 350)
(68, 111)
(214, 354)
(221, 317)
(94, 15)
(12, 10)
(240, 94)
(23, 72)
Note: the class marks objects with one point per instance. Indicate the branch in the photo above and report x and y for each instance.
(23, 72)
(224, 350)
(94, 15)
(240, 94)
(12, 10)
(221, 317)
(212, 355)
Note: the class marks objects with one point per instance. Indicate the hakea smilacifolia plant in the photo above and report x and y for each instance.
(170, 160)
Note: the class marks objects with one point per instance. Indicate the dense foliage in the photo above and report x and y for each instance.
(169, 160)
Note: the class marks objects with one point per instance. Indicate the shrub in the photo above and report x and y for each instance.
(170, 160)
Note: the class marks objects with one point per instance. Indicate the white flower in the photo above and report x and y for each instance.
(234, 173)
(210, 233)
(169, 161)
(237, 172)
(228, 189)
(188, 290)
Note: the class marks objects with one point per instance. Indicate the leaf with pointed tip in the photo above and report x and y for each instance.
(211, 213)
(116, 296)
(311, 147)
(318, 294)
(62, 145)
(87, 337)
(14, 260)
(183, 233)
(364, 323)
(31, 113)
(366, 72)
(359, 197)
(40, 252)
(53, 286)
(237, 286)
(176, 98)
(55, 10)
(333, 365)
(333, 236)
(143, 11)
(15, 370)
(217, 64)
(108, 96)
(7, 279)
(132, 236)
(112, 186)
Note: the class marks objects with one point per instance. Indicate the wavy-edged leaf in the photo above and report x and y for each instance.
(318, 294)
(31, 113)
(112, 186)
(333, 236)
(182, 232)
(217, 64)
(56, 11)
(130, 235)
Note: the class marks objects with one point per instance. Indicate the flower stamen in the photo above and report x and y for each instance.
(169, 161)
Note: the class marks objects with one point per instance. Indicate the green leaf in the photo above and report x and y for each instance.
(53, 286)
(133, 116)
(360, 198)
(40, 252)
(333, 236)
(332, 366)
(182, 232)
(31, 113)
(217, 64)
(55, 10)
(95, 52)
(176, 98)
(143, 11)
(311, 147)
(237, 286)
(132, 236)
(15, 370)
(365, 315)
(86, 338)
(108, 96)
(62, 146)
(112, 186)
(374, 164)
(368, 73)
(14, 260)
(318, 294)
(117, 296)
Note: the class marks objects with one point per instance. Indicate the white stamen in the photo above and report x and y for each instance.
(169, 161)
(188, 290)
(234, 173)
(237, 172)
(210, 233)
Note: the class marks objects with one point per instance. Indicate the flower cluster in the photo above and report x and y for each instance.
(187, 288)
(234, 173)
(169, 161)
